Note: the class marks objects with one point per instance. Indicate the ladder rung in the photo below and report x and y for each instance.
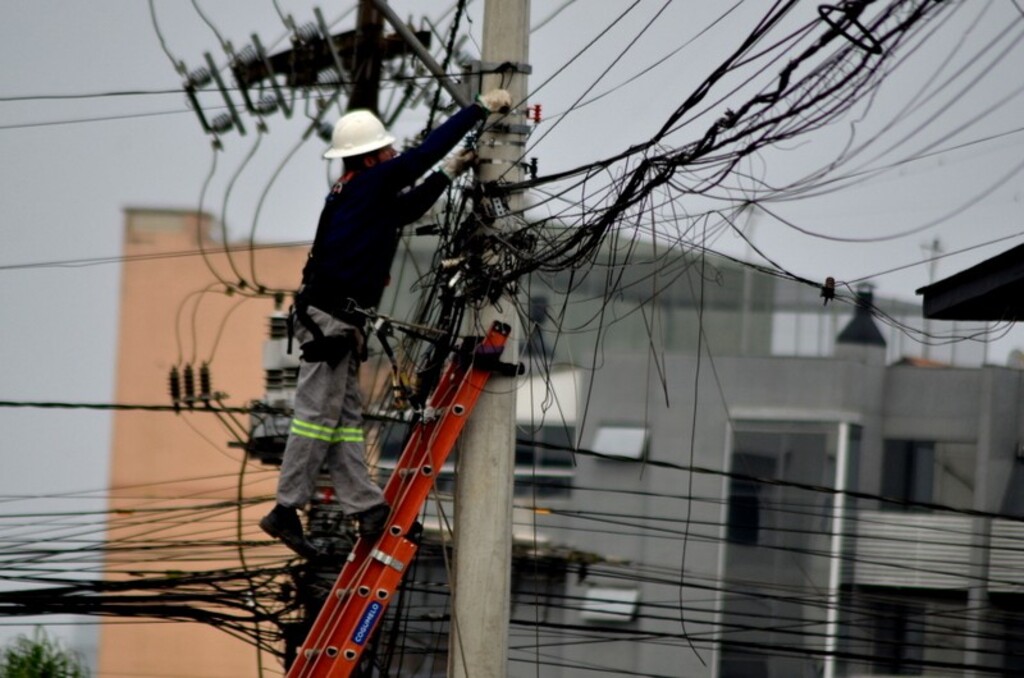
(349, 616)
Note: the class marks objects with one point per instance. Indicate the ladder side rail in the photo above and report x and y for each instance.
(362, 600)
(375, 588)
(364, 611)
(416, 488)
(376, 579)
(319, 634)
(415, 449)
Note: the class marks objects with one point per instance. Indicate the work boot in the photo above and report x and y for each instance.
(283, 523)
(372, 521)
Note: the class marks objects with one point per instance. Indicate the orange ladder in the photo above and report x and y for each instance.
(367, 583)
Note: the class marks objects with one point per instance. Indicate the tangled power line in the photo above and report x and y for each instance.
(781, 83)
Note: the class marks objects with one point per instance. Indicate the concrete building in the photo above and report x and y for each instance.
(169, 472)
(794, 564)
(764, 486)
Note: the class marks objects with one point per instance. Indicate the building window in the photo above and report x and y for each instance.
(544, 461)
(899, 639)
(544, 465)
(1013, 645)
(743, 525)
(766, 513)
(902, 635)
(743, 667)
(625, 442)
(609, 605)
(779, 537)
(907, 471)
(929, 472)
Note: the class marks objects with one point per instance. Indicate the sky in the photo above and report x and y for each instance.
(93, 121)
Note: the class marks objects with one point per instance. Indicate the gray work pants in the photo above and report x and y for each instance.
(327, 429)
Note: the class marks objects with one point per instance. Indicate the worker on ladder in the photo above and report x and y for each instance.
(347, 270)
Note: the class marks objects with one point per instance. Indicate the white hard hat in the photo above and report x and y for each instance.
(356, 133)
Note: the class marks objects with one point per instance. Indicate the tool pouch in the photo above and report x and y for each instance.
(330, 350)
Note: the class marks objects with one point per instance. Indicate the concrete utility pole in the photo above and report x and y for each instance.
(932, 250)
(478, 644)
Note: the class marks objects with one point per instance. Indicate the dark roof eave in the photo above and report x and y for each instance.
(992, 290)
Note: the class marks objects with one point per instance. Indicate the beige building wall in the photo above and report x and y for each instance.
(172, 311)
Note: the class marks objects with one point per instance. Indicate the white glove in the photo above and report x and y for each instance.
(458, 162)
(496, 101)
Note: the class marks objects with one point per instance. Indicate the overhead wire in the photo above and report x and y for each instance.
(196, 296)
(633, 521)
(579, 104)
(611, 278)
(222, 326)
(98, 118)
(693, 440)
(925, 152)
(647, 518)
(89, 95)
(259, 208)
(160, 36)
(937, 257)
(66, 405)
(632, 43)
(132, 258)
(201, 220)
(241, 282)
(209, 23)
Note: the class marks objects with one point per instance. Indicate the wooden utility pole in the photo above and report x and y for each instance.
(367, 57)
(478, 645)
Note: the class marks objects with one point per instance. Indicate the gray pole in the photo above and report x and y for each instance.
(835, 574)
(421, 52)
(478, 645)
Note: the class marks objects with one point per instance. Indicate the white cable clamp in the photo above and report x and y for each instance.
(388, 560)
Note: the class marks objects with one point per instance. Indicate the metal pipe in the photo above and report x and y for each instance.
(422, 53)
(840, 482)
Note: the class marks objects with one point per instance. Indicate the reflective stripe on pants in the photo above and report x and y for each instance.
(326, 430)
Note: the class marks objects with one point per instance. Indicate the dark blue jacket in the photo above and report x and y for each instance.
(360, 224)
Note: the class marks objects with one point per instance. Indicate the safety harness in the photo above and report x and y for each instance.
(322, 348)
(332, 349)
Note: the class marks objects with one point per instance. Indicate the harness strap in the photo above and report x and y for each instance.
(330, 350)
(302, 315)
